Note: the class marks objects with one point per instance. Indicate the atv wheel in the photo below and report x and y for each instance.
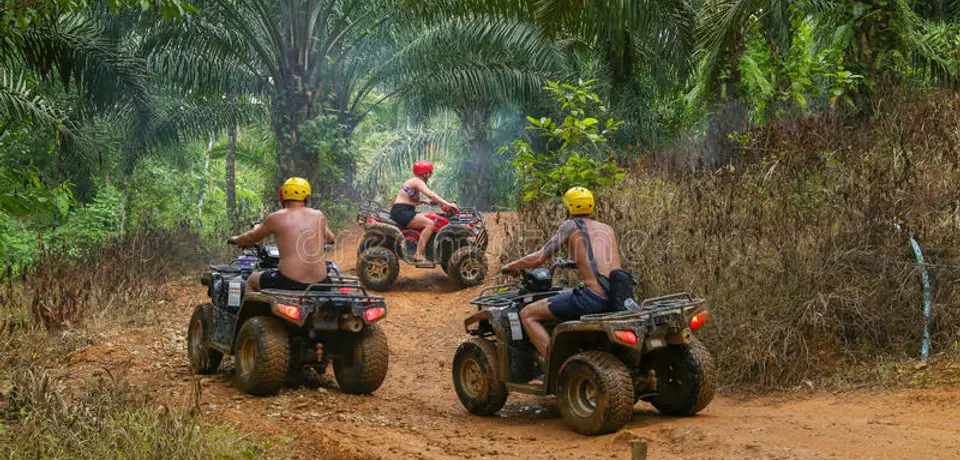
(685, 378)
(475, 377)
(362, 366)
(595, 393)
(378, 268)
(263, 355)
(468, 266)
(203, 359)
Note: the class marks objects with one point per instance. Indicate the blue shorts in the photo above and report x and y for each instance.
(573, 304)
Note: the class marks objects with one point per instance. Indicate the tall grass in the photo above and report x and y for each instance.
(795, 246)
(108, 418)
(59, 305)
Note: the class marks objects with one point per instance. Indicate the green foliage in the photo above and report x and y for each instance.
(23, 194)
(92, 224)
(774, 86)
(22, 13)
(576, 153)
(18, 245)
(324, 136)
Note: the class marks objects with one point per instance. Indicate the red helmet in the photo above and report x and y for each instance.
(422, 167)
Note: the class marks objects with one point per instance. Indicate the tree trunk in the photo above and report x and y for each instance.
(476, 172)
(231, 176)
(292, 106)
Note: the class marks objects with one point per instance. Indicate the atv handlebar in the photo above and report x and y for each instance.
(557, 264)
(563, 263)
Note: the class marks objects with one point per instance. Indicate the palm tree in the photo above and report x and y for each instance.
(308, 59)
(474, 65)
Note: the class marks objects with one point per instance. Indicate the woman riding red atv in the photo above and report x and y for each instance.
(404, 210)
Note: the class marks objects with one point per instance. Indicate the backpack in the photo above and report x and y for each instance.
(619, 285)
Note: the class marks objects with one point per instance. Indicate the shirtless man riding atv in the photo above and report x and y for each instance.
(301, 234)
(586, 300)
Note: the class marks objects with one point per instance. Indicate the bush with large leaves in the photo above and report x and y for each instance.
(576, 153)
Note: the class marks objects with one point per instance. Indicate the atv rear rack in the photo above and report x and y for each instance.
(333, 291)
(372, 209)
(679, 300)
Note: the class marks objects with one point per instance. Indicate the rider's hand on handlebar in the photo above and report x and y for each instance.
(507, 271)
(232, 241)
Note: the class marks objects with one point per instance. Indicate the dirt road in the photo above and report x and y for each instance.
(416, 413)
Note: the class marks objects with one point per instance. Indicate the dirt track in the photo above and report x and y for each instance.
(416, 413)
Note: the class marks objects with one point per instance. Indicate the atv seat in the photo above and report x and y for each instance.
(226, 268)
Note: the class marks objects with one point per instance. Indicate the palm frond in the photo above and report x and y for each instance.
(393, 160)
(472, 58)
(74, 48)
(20, 104)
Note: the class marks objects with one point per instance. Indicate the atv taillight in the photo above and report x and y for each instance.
(290, 311)
(374, 313)
(345, 290)
(698, 320)
(626, 336)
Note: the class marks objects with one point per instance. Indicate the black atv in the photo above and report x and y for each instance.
(275, 334)
(599, 367)
(458, 244)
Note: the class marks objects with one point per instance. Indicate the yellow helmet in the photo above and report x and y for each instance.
(295, 189)
(579, 201)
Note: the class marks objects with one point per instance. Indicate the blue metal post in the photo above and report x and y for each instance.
(927, 299)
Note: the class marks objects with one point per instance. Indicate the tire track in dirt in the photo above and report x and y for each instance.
(416, 414)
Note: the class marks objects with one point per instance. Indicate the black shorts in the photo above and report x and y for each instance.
(573, 304)
(402, 214)
(273, 279)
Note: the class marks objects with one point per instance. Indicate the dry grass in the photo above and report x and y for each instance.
(107, 419)
(61, 305)
(795, 246)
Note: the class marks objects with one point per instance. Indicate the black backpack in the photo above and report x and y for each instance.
(619, 285)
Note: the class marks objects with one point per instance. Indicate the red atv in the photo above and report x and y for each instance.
(458, 245)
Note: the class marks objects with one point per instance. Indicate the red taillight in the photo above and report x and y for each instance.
(345, 290)
(628, 337)
(698, 320)
(290, 311)
(374, 313)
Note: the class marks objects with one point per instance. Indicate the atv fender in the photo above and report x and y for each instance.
(570, 337)
(382, 235)
(451, 238)
(258, 304)
(476, 318)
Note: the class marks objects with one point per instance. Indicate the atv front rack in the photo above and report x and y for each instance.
(490, 296)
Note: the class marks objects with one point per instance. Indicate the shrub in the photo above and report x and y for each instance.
(92, 224)
(576, 148)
